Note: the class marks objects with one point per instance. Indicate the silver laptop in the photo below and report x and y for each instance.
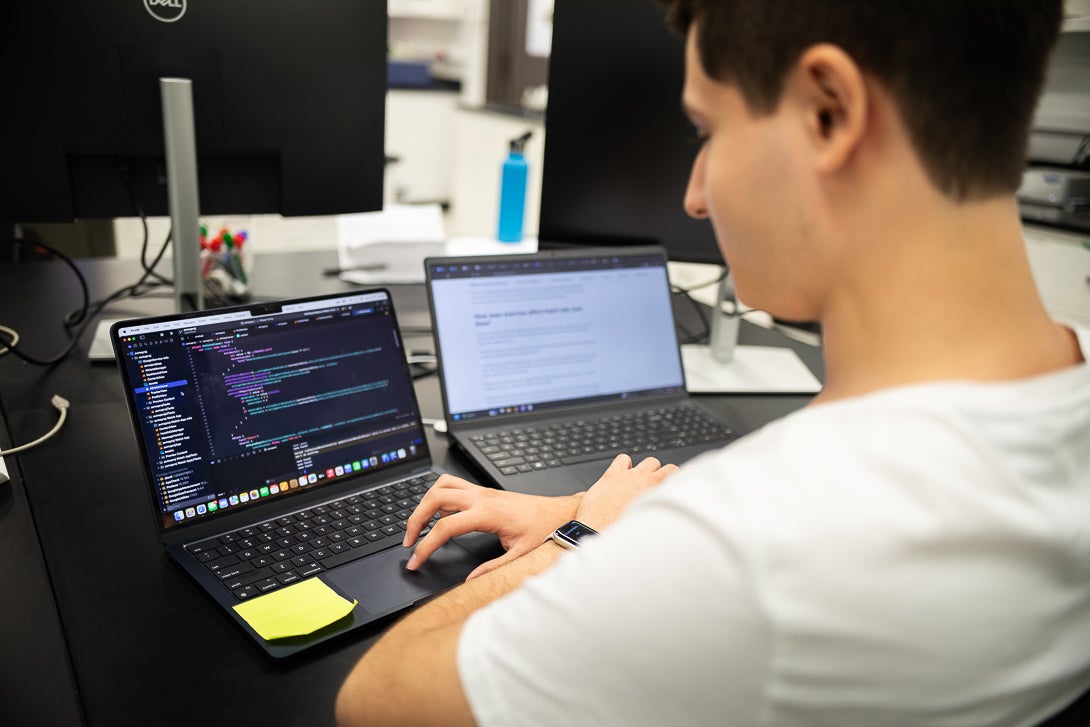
(283, 442)
(553, 363)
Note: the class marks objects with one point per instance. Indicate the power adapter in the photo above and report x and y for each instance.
(4, 477)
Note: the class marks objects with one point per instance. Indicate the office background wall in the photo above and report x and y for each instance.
(449, 138)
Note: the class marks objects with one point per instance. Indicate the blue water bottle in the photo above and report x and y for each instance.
(513, 191)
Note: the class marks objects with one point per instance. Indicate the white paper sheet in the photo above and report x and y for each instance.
(754, 370)
(389, 246)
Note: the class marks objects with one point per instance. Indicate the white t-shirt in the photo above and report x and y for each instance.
(915, 556)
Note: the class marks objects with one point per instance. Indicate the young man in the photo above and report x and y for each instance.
(912, 548)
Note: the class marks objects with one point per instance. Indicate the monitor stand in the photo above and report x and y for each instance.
(724, 323)
(180, 144)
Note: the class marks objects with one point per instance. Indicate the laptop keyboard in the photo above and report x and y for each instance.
(584, 440)
(261, 558)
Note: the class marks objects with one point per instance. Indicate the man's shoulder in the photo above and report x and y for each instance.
(897, 455)
(881, 449)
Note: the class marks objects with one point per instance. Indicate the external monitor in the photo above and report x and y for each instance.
(618, 149)
(288, 103)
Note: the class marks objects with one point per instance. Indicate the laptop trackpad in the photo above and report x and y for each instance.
(589, 472)
(380, 582)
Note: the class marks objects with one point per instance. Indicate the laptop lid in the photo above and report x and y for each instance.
(521, 335)
(238, 409)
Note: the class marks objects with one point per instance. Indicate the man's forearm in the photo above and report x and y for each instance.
(410, 676)
(456, 605)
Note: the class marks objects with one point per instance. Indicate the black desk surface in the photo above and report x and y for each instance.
(96, 626)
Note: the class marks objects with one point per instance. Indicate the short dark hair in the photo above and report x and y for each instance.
(965, 74)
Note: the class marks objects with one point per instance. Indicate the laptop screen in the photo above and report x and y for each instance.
(238, 407)
(521, 334)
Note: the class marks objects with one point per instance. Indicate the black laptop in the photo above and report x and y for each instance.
(553, 363)
(282, 442)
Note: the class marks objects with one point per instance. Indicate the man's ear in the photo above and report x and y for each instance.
(832, 94)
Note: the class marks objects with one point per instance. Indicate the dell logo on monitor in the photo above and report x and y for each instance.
(165, 11)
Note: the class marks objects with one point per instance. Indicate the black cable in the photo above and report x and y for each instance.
(687, 335)
(82, 314)
(125, 170)
(212, 291)
(80, 318)
(150, 269)
(133, 290)
(86, 313)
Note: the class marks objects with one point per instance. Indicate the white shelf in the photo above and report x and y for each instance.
(454, 10)
(1076, 16)
(1076, 24)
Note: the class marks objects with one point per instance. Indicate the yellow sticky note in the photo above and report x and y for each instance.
(297, 610)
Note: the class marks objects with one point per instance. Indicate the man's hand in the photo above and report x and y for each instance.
(521, 521)
(619, 486)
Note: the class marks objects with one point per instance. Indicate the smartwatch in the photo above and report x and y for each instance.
(570, 533)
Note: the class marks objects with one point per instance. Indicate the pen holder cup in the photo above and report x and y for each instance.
(228, 272)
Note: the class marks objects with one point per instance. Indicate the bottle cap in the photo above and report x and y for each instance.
(517, 145)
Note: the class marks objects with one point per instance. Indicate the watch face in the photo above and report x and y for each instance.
(575, 530)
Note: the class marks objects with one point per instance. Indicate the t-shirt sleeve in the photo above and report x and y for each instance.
(625, 631)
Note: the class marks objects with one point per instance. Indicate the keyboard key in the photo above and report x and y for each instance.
(310, 570)
(269, 584)
(245, 579)
(221, 562)
(244, 592)
(230, 571)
